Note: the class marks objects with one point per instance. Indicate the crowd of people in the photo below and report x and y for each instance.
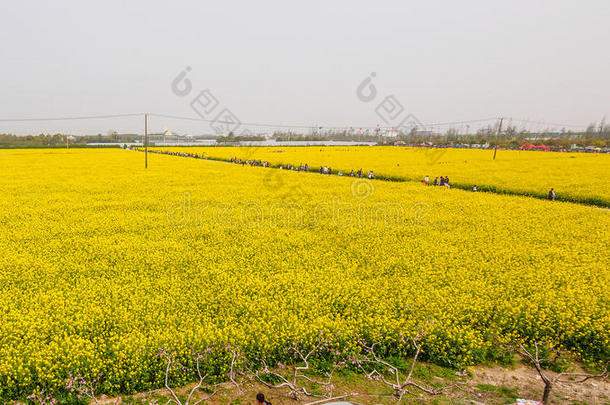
(438, 181)
(304, 168)
(250, 162)
(165, 152)
(352, 173)
(442, 181)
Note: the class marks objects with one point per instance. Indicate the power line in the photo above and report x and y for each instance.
(310, 125)
(551, 124)
(462, 122)
(252, 124)
(275, 125)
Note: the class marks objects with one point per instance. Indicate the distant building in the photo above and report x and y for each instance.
(391, 134)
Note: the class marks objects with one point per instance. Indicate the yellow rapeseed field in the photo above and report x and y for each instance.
(580, 177)
(103, 262)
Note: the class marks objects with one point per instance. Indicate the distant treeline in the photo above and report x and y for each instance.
(560, 142)
(239, 138)
(510, 137)
(47, 140)
(597, 136)
(72, 145)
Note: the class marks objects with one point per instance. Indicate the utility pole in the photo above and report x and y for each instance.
(498, 135)
(146, 141)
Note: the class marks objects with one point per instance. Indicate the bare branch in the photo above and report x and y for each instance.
(399, 387)
(201, 378)
(418, 350)
(198, 385)
(232, 372)
(167, 370)
(293, 383)
(548, 379)
(332, 399)
(584, 376)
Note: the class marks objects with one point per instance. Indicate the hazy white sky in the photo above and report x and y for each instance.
(289, 62)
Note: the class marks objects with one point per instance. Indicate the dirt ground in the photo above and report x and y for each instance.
(487, 385)
(529, 385)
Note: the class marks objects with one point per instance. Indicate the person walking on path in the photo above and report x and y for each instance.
(260, 399)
